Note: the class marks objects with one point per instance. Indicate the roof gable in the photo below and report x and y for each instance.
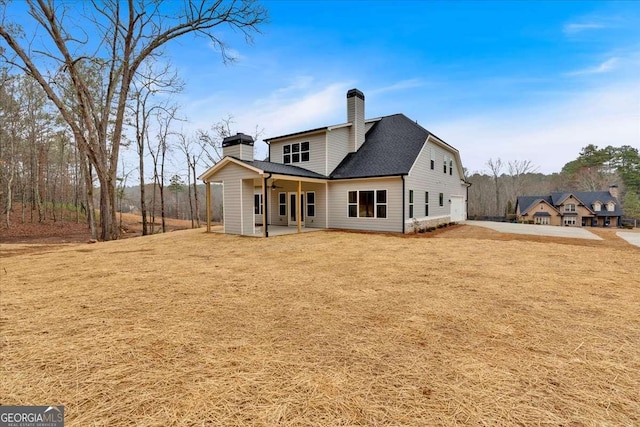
(526, 203)
(391, 147)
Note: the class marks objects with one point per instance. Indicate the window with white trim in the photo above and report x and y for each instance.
(570, 207)
(569, 220)
(426, 203)
(542, 220)
(282, 204)
(597, 206)
(450, 166)
(433, 158)
(296, 152)
(257, 204)
(445, 163)
(611, 206)
(367, 204)
(311, 203)
(410, 203)
(441, 199)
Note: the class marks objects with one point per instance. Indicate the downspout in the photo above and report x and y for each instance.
(265, 202)
(403, 202)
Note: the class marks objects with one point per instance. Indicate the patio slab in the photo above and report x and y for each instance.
(536, 230)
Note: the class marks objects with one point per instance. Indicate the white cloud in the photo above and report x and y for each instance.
(573, 28)
(401, 85)
(549, 135)
(605, 67)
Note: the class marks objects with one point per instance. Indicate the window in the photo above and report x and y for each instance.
(611, 206)
(410, 203)
(381, 203)
(295, 153)
(441, 199)
(433, 158)
(445, 164)
(282, 204)
(570, 207)
(311, 203)
(367, 204)
(569, 220)
(597, 206)
(426, 203)
(542, 220)
(257, 204)
(450, 166)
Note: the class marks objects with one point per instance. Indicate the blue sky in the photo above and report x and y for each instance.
(518, 80)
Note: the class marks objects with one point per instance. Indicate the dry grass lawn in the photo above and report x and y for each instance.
(328, 328)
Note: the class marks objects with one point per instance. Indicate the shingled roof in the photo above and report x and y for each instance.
(390, 148)
(587, 198)
(281, 169)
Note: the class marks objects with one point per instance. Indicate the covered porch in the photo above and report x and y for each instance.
(258, 199)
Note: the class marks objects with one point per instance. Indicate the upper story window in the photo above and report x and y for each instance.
(611, 206)
(450, 166)
(445, 163)
(433, 158)
(295, 153)
(570, 207)
(597, 206)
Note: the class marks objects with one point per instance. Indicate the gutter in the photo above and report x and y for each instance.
(265, 202)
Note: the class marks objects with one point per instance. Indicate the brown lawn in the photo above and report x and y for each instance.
(467, 327)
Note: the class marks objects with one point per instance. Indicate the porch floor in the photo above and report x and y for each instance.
(274, 230)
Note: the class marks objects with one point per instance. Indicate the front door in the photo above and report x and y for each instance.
(293, 210)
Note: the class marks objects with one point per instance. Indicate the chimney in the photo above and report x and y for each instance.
(613, 190)
(355, 116)
(239, 146)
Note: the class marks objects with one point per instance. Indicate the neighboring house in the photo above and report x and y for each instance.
(576, 209)
(383, 174)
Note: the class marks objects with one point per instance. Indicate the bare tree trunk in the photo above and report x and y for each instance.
(195, 193)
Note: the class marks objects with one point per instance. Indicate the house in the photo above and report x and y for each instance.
(576, 209)
(383, 174)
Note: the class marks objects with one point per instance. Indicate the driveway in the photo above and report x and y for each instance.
(537, 230)
(633, 238)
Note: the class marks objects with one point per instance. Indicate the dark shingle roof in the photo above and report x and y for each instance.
(390, 148)
(588, 198)
(542, 214)
(282, 169)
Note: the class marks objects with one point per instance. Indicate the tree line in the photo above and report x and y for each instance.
(493, 193)
(88, 80)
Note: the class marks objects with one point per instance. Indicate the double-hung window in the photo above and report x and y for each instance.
(311, 203)
(441, 199)
(295, 153)
(426, 203)
(367, 204)
(570, 207)
(257, 204)
(444, 160)
(433, 158)
(410, 203)
(282, 204)
(450, 166)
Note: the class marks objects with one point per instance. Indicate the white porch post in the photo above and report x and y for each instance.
(208, 199)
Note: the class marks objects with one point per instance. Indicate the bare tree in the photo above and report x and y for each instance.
(517, 170)
(496, 170)
(144, 88)
(127, 34)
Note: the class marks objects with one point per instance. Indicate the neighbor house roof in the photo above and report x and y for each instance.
(390, 148)
(587, 198)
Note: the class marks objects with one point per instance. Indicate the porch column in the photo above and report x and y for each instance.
(208, 198)
(265, 206)
(298, 206)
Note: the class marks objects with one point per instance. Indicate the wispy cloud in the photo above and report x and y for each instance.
(401, 85)
(574, 28)
(550, 134)
(605, 67)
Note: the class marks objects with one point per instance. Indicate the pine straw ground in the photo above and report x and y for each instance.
(325, 329)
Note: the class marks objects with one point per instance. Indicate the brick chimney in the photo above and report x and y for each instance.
(239, 146)
(613, 190)
(355, 116)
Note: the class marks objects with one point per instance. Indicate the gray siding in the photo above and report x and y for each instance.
(422, 178)
(240, 151)
(338, 147)
(338, 204)
(317, 152)
(236, 194)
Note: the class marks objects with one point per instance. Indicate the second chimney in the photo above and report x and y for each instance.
(355, 116)
(239, 146)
